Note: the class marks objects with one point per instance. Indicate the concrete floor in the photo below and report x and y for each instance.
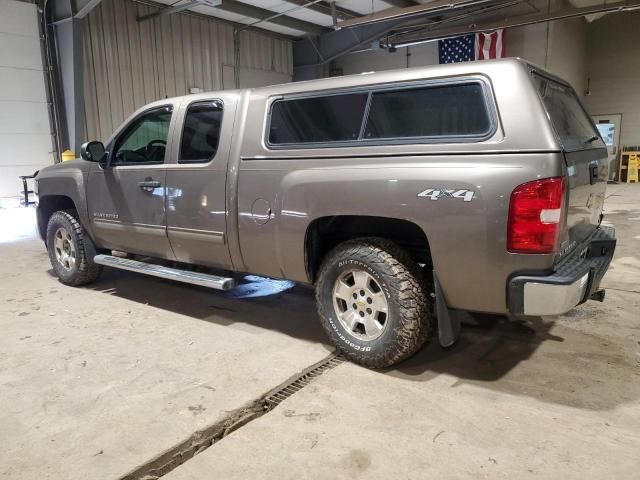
(97, 381)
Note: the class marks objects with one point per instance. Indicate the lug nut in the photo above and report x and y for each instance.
(362, 293)
(369, 311)
(362, 314)
(369, 301)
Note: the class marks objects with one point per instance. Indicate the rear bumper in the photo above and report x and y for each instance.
(574, 280)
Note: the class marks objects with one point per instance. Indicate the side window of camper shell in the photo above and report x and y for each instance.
(414, 114)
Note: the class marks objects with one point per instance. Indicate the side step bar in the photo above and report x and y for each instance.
(186, 276)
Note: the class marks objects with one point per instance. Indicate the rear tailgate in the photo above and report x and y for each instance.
(586, 159)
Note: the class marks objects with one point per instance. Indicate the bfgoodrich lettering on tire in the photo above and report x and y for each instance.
(374, 302)
(70, 250)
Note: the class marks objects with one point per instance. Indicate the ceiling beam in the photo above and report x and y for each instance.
(517, 21)
(441, 22)
(437, 6)
(258, 13)
(83, 7)
(324, 8)
(308, 54)
(65, 10)
(154, 4)
(176, 9)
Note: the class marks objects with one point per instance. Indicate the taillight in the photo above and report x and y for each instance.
(535, 212)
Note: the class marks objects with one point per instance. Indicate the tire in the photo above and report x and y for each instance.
(390, 272)
(71, 251)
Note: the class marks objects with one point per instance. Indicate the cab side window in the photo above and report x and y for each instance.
(145, 140)
(201, 132)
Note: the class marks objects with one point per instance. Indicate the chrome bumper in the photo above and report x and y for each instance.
(575, 279)
(550, 299)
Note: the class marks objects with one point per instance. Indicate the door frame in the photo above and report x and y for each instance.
(115, 224)
(204, 237)
(614, 158)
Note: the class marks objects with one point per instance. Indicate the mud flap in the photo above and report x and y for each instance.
(448, 325)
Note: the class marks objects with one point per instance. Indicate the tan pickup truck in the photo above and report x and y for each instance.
(400, 196)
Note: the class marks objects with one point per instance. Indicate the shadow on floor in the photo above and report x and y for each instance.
(486, 350)
(524, 358)
(271, 305)
(567, 367)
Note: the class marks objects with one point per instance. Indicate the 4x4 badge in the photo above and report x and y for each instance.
(436, 193)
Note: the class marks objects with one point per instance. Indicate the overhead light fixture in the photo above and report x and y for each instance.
(415, 42)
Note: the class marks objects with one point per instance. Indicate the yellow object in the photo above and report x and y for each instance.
(629, 164)
(632, 173)
(68, 155)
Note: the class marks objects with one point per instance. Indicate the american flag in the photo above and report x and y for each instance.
(475, 46)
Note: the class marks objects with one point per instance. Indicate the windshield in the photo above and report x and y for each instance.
(571, 123)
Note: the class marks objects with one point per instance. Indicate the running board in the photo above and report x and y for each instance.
(186, 276)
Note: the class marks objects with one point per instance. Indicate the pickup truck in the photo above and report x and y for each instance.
(403, 197)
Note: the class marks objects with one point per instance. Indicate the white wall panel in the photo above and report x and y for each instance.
(24, 117)
(129, 64)
(19, 51)
(567, 51)
(22, 149)
(529, 42)
(16, 19)
(10, 184)
(25, 132)
(22, 85)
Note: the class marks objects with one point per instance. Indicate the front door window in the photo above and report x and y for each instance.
(145, 140)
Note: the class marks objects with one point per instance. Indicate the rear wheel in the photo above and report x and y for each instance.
(70, 250)
(374, 302)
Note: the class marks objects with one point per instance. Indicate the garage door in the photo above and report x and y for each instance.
(25, 133)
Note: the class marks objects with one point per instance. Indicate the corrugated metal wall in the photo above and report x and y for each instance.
(128, 63)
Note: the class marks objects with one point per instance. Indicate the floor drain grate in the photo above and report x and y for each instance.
(274, 398)
(200, 441)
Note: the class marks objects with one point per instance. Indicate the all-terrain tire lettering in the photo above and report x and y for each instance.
(410, 319)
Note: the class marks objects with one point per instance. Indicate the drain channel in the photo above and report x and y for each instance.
(203, 439)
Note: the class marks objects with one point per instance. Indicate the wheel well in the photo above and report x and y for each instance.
(47, 206)
(325, 233)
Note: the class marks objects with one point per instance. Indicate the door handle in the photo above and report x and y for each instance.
(149, 184)
(593, 173)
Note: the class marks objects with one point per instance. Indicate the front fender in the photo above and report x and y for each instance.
(67, 179)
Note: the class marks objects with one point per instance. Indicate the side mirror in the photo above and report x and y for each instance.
(92, 151)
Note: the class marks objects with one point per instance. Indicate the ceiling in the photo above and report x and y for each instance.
(298, 20)
(302, 18)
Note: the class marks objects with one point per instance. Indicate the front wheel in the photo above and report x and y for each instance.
(374, 302)
(71, 251)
